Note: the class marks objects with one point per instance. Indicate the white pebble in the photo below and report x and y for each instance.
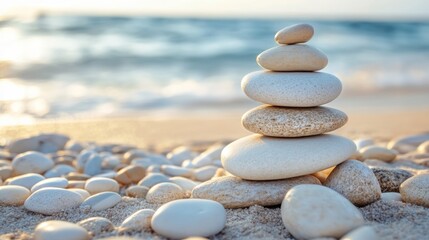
(376, 152)
(96, 225)
(391, 196)
(82, 192)
(54, 230)
(13, 195)
(361, 233)
(56, 182)
(26, 180)
(138, 221)
(153, 179)
(172, 170)
(101, 201)
(179, 154)
(31, 162)
(204, 173)
(59, 171)
(52, 200)
(100, 184)
(165, 192)
(186, 184)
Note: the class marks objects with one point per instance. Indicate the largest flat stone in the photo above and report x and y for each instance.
(291, 89)
(257, 157)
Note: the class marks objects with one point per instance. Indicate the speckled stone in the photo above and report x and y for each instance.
(408, 143)
(31, 162)
(297, 58)
(136, 191)
(292, 122)
(355, 181)
(415, 190)
(390, 179)
(233, 192)
(52, 200)
(291, 89)
(165, 192)
(297, 33)
(96, 225)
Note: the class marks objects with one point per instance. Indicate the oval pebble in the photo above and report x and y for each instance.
(391, 196)
(59, 170)
(205, 173)
(189, 217)
(56, 182)
(31, 162)
(101, 201)
(52, 200)
(82, 192)
(136, 191)
(93, 165)
(172, 170)
(415, 190)
(26, 180)
(153, 179)
(130, 174)
(185, 183)
(6, 172)
(361, 233)
(54, 230)
(96, 225)
(165, 192)
(390, 179)
(376, 152)
(13, 195)
(298, 33)
(138, 221)
(312, 211)
(100, 184)
(179, 154)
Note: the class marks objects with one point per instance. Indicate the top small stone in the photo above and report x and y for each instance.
(298, 33)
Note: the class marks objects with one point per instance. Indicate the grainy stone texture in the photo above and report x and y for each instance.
(292, 122)
(291, 89)
(415, 190)
(391, 196)
(408, 143)
(355, 181)
(136, 191)
(31, 162)
(390, 179)
(233, 192)
(52, 200)
(298, 33)
(297, 58)
(165, 192)
(96, 225)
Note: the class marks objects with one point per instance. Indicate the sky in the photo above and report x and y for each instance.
(352, 9)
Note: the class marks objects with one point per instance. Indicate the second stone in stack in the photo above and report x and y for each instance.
(292, 124)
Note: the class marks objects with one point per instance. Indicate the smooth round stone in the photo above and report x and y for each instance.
(137, 191)
(298, 33)
(52, 200)
(376, 152)
(186, 184)
(415, 190)
(203, 174)
(83, 193)
(180, 154)
(256, 157)
(76, 184)
(6, 172)
(77, 176)
(292, 122)
(424, 147)
(13, 195)
(165, 192)
(362, 233)
(45, 143)
(408, 143)
(130, 174)
(57, 182)
(26, 180)
(390, 179)
(74, 146)
(138, 221)
(100, 184)
(93, 165)
(101, 201)
(189, 217)
(59, 171)
(54, 230)
(311, 211)
(172, 170)
(292, 58)
(233, 192)
(96, 225)
(391, 196)
(153, 179)
(208, 156)
(31, 162)
(133, 154)
(291, 89)
(355, 181)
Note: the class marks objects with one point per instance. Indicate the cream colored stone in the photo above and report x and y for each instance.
(102, 201)
(180, 154)
(5, 172)
(55, 230)
(56, 182)
(96, 225)
(165, 192)
(99, 184)
(93, 165)
(291, 89)
(153, 179)
(233, 192)
(415, 190)
(26, 180)
(362, 233)
(138, 221)
(408, 143)
(292, 122)
(133, 154)
(424, 147)
(185, 183)
(76, 184)
(13, 195)
(256, 157)
(31, 162)
(59, 170)
(292, 58)
(137, 191)
(376, 152)
(130, 174)
(208, 156)
(172, 170)
(203, 174)
(355, 181)
(52, 200)
(298, 33)
(82, 192)
(311, 211)
(45, 143)
(391, 196)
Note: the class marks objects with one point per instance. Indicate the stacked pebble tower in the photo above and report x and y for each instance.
(289, 139)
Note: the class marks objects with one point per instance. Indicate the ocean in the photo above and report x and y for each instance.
(98, 66)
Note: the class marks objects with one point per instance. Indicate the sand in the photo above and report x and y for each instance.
(392, 220)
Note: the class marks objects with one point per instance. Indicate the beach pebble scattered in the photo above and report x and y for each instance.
(31, 162)
(288, 58)
(101, 201)
(52, 200)
(204, 173)
(391, 196)
(56, 182)
(136, 191)
(82, 192)
(165, 192)
(26, 180)
(292, 122)
(138, 221)
(6, 172)
(311, 211)
(93, 165)
(298, 33)
(256, 157)
(208, 156)
(408, 143)
(179, 154)
(361, 233)
(59, 170)
(96, 225)
(101, 184)
(355, 181)
(376, 152)
(415, 190)
(172, 170)
(133, 154)
(13, 195)
(54, 230)
(233, 192)
(390, 179)
(189, 217)
(185, 183)
(153, 179)
(45, 143)
(130, 174)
